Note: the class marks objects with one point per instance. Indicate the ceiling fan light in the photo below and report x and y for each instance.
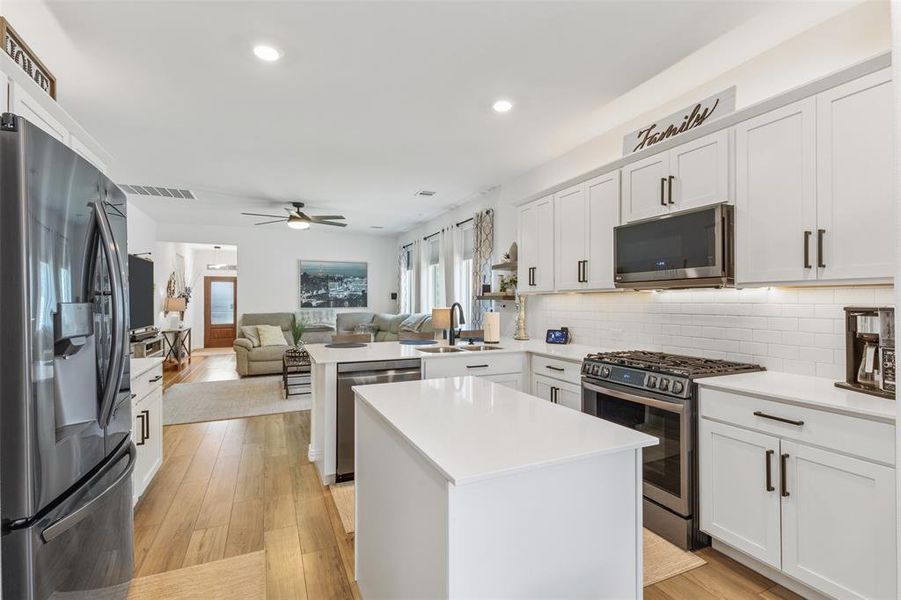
(297, 223)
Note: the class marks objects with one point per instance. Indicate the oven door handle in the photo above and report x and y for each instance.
(672, 407)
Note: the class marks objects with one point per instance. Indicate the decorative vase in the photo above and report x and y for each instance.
(521, 333)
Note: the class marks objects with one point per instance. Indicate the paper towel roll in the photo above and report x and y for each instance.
(491, 324)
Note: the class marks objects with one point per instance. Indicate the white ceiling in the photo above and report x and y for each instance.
(371, 102)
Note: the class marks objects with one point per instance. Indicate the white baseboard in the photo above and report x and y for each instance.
(768, 572)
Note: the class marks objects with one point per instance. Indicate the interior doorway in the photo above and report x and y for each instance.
(220, 311)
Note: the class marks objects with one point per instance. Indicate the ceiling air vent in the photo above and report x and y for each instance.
(425, 193)
(159, 192)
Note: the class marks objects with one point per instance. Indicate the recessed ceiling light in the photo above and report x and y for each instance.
(267, 53)
(502, 106)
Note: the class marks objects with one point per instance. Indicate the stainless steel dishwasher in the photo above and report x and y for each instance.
(363, 373)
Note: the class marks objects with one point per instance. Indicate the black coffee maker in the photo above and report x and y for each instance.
(870, 350)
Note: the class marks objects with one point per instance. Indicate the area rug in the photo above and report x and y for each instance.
(233, 399)
(662, 559)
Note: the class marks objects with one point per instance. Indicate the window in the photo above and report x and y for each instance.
(465, 290)
(433, 274)
(407, 289)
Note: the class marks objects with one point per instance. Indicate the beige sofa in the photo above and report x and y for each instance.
(266, 360)
(383, 326)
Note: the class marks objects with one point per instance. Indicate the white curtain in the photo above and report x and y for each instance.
(415, 275)
(449, 248)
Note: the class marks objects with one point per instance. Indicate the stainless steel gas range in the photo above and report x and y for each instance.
(655, 393)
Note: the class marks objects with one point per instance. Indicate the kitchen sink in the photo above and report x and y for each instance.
(480, 348)
(439, 349)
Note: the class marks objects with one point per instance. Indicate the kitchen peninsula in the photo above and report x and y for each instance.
(466, 488)
(508, 363)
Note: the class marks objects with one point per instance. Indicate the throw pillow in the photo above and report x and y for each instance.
(413, 322)
(270, 335)
(250, 332)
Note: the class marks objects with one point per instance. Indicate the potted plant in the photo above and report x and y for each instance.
(300, 325)
(508, 284)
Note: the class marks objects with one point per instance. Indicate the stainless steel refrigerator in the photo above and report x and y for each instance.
(66, 454)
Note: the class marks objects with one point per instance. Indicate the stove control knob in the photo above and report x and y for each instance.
(605, 371)
(678, 387)
(663, 385)
(652, 381)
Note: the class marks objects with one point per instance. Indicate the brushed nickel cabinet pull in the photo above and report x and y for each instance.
(783, 477)
(807, 235)
(763, 415)
(769, 471)
(820, 262)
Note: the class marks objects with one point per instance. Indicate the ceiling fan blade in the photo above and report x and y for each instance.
(261, 215)
(330, 223)
(270, 222)
(304, 216)
(327, 217)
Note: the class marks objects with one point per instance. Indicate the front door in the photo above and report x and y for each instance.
(219, 311)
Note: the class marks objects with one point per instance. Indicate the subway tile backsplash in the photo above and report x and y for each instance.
(797, 330)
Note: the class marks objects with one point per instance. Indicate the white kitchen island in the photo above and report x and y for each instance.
(469, 489)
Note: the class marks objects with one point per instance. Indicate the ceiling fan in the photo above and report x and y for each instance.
(297, 219)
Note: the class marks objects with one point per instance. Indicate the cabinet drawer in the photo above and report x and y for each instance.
(146, 382)
(563, 370)
(871, 440)
(473, 364)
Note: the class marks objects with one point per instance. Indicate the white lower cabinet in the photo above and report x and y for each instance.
(820, 516)
(556, 391)
(147, 429)
(838, 523)
(506, 369)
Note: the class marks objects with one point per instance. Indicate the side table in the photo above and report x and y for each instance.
(177, 344)
(296, 374)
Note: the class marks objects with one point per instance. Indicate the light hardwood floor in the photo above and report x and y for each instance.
(229, 488)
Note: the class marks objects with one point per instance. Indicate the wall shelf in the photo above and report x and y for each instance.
(506, 266)
(496, 296)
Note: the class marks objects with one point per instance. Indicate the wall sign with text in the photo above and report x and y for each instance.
(26, 59)
(690, 118)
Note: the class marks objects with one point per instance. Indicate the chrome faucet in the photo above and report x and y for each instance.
(452, 332)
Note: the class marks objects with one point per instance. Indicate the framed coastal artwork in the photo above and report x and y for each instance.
(333, 284)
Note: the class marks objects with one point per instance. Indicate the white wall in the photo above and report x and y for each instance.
(163, 266)
(268, 260)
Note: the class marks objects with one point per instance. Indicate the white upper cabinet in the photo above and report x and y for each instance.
(644, 187)
(602, 194)
(24, 105)
(584, 218)
(687, 176)
(838, 516)
(572, 233)
(536, 246)
(855, 206)
(700, 172)
(775, 195)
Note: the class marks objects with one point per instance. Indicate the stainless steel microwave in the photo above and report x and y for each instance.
(692, 248)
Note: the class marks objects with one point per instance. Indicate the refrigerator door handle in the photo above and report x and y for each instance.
(60, 526)
(119, 335)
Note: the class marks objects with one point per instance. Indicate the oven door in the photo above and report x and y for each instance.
(691, 248)
(667, 466)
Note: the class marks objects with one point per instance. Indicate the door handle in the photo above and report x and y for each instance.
(145, 426)
(807, 235)
(820, 262)
(669, 189)
(782, 475)
(662, 188)
(769, 471)
(141, 418)
(553, 395)
(155, 379)
(758, 413)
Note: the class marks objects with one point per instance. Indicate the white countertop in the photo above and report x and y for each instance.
(472, 429)
(139, 366)
(803, 390)
(376, 351)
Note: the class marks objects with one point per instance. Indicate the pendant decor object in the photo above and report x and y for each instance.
(520, 318)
